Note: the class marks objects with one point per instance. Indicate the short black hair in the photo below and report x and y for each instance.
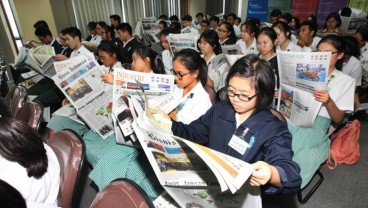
(206, 22)
(187, 18)
(109, 47)
(92, 25)
(164, 23)
(363, 30)
(275, 13)
(115, 17)
(212, 38)
(351, 46)
(231, 15)
(167, 31)
(334, 15)
(284, 28)
(263, 78)
(311, 24)
(125, 27)
(215, 18)
(199, 14)
(346, 12)
(42, 31)
(287, 16)
(175, 26)
(72, 31)
(174, 18)
(163, 17)
(39, 23)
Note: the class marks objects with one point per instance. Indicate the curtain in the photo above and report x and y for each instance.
(359, 4)
(94, 10)
(214, 7)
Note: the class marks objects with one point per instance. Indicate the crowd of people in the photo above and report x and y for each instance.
(284, 157)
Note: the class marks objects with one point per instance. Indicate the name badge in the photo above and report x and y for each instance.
(238, 144)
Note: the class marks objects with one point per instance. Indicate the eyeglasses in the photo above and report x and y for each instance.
(332, 52)
(178, 75)
(223, 31)
(241, 97)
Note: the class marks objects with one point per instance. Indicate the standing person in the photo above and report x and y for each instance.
(129, 42)
(311, 145)
(283, 41)
(28, 164)
(226, 34)
(244, 117)
(307, 39)
(249, 33)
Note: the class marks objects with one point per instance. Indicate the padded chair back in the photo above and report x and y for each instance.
(211, 92)
(30, 113)
(16, 98)
(122, 193)
(278, 115)
(70, 150)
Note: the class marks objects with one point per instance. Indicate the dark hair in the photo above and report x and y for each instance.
(263, 78)
(346, 12)
(215, 18)
(163, 17)
(312, 17)
(186, 18)
(206, 22)
(231, 15)
(110, 48)
(275, 13)
(109, 29)
(164, 23)
(156, 64)
(115, 17)
(238, 18)
(270, 33)
(284, 27)
(21, 144)
(230, 28)
(251, 27)
(167, 31)
(176, 26)
(312, 25)
(174, 18)
(11, 197)
(297, 22)
(334, 15)
(363, 30)
(92, 25)
(72, 31)
(41, 23)
(338, 43)
(193, 61)
(211, 37)
(287, 16)
(125, 27)
(199, 14)
(351, 46)
(102, 24)
(255, 21)
(43, 31)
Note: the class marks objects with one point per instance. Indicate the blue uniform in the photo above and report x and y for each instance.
(268, 137)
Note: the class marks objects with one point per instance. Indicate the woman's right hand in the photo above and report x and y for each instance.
(65, 102)
(159, 111)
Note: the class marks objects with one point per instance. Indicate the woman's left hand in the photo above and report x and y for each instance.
(107, 78)
(322, 96)
(261, 175)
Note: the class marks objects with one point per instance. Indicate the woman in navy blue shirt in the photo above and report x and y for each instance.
(245, 119)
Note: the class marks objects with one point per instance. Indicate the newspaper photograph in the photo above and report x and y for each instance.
(181, 41)
(231, 49)
(301, 73)
(79, 78)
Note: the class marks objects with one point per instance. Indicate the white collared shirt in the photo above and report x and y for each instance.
(189, 29)
(126, 42)
(252, 49)
(353, 69)
(82, 50)
(291, 47)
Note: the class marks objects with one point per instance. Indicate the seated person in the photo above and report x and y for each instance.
(245, 117)
(332, 25)
(307, 39)
(28, 164)
(45, 36)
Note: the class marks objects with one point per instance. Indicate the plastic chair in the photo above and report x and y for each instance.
(70, 151)
(16, 98)
(122, 193)
(30, 113)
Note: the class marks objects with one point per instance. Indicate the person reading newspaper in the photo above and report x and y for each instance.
(244, 127)
(311, 145)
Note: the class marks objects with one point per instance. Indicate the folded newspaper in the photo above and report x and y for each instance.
(181, 41)
(194, 175)
(41, 60)
(301, 73)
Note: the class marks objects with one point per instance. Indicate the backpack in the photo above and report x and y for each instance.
(345, 145)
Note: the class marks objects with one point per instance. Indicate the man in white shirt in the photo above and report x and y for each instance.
(214, 21)
(307, 40)
(231, 19)
(187, 25)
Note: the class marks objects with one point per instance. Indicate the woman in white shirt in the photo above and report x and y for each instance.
(248, 43)
(27, 164)
(166, 54)
(283, 41)
(211, 49)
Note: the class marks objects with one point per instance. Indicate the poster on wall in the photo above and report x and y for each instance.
(258, 9)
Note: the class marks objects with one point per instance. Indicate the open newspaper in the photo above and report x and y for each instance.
(41, 60)
(194, 175)
(79, 78)
(300, 74)
(159, 88)
(181, 41)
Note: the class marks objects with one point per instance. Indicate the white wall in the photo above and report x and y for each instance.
(196, 6)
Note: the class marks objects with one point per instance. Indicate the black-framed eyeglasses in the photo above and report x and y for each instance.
(332, 52)
(178, 75)
(241, 97)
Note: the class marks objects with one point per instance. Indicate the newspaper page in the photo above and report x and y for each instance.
(301, 73)
(231, 49)
(181, 41)
(79, 78)
(43, 57)
(149, 25)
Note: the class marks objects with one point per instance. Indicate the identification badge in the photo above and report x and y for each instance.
(238, 144)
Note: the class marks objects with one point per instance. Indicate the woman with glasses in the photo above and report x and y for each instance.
(245, 118)
(226, 34)
(311, 145)
(210, 49)
(249, 33)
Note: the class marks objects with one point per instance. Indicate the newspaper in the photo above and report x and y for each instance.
(159, 88)
(41, 60)
(301, 73)
(195, 175)
(181, 41)
(79, 78)
(231, 49)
